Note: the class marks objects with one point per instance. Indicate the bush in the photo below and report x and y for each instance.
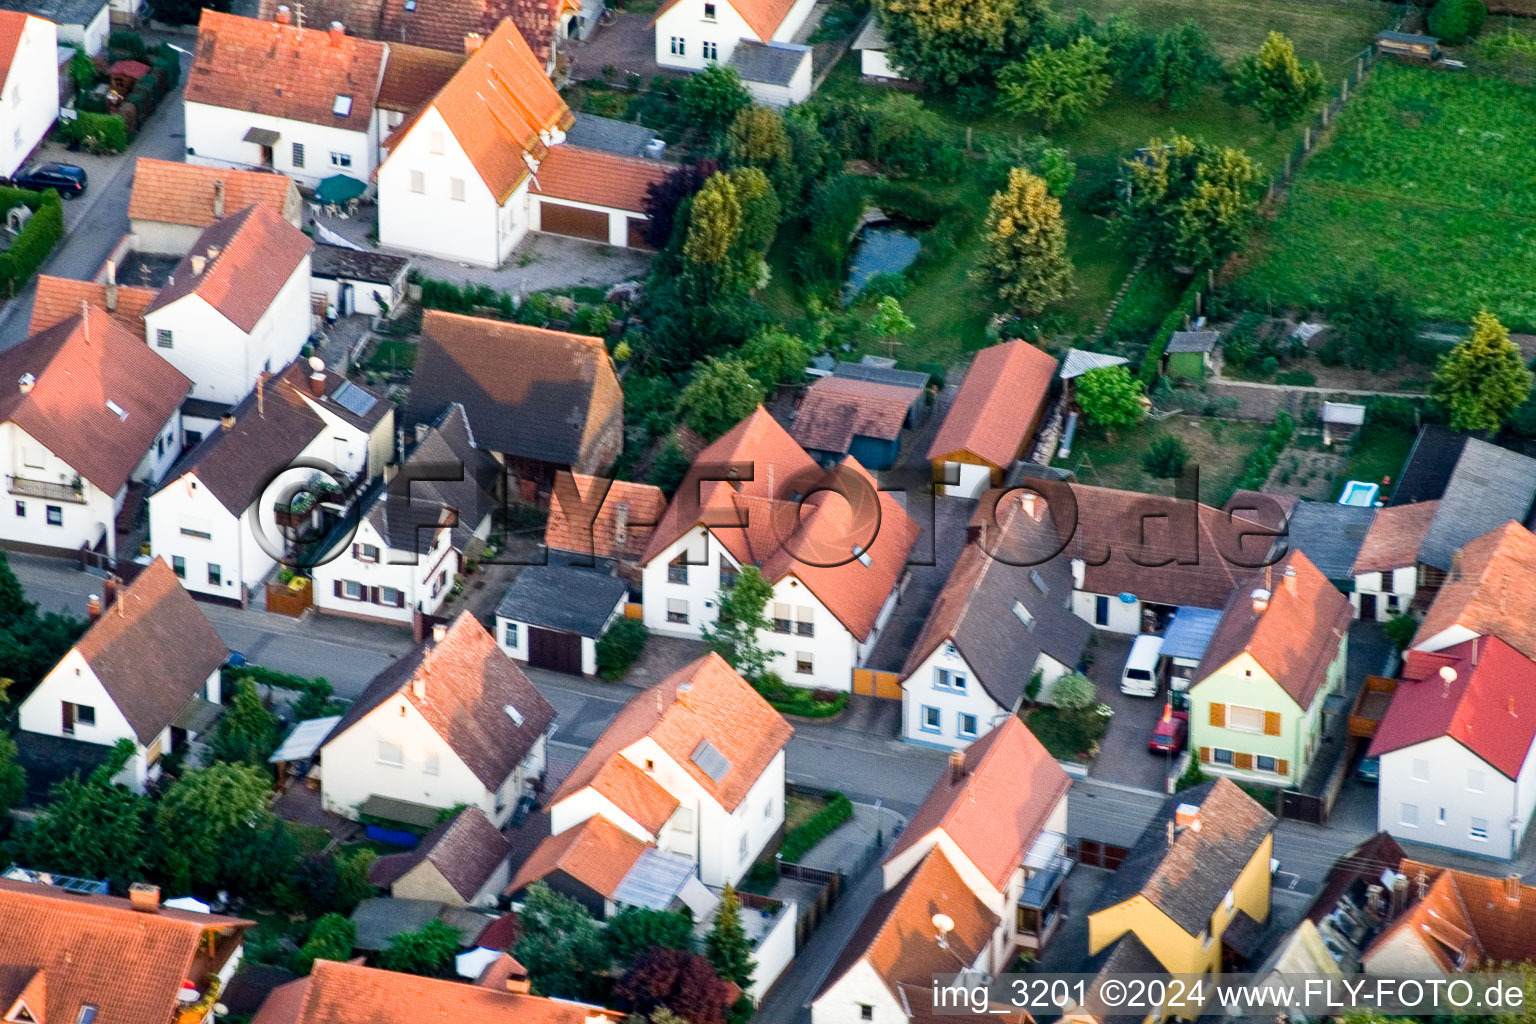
(331, 938)
(1296, 378)
(1456, 21)
(834, 212)
(96, 133)
(618, 648)
(1400, 629)
(1073, 692)
(37, 239)
(1166, 457)
(126, 45)
(1174, 321)
(1267, 454)
(797, 700)
(799, 840)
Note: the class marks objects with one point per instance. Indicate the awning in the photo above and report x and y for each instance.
(199, 715)
(262, 136)
(339, 188)
(304, 740)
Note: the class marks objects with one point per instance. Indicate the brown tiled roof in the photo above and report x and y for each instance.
(602, 179)
(153, 650)
(529, 392)
(466, 850)
(78, 366)
(999, 402)
(1487, 593)
(1395, 536)
(415, 74)
(719, 706)
(762, 16)
(897, 938)
(467, 683)
(436, 24)
(262, 67)
(59, 298)
(1504, 928)
(1439, 920)
(177, 193)
(255, 253)
(574, 525)
(996, 806)
(96, 950)
(349, 993)
(596, 853)
(835, 410)
(1294, 638)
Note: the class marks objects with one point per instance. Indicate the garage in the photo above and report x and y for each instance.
(552, 616)
(556, 219)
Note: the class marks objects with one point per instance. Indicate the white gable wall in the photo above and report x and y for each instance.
(685, 21)
(29, 95)
(216, 138)
(1432, 778)
(178, 512)
(24, 519)
(859, 987)
(920, 690)
(424, 579)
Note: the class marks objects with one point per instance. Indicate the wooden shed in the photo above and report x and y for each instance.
(1408, 45)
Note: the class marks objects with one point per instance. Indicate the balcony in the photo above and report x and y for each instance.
(25, 487)
(1046, 865)
(1371, 706)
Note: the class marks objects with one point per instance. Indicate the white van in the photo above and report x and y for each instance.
(1140, 677)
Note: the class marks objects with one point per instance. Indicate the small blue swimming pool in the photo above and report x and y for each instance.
(1359, 493)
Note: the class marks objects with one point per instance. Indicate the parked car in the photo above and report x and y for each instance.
(1140, 676)
(67, 180)
(1170, 735)
(1369, 770)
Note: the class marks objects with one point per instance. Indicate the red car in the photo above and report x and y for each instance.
(1170, 734)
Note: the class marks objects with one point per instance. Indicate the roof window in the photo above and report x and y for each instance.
(343, 106)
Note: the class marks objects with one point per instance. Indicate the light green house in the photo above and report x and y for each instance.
(1279, 652)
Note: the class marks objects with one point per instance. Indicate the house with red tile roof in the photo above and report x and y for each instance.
(270, 94)
(172, 203)
(987, 849)
(992, 419)
(831, 544)
(28, 54)
(146, 671)
(598, 522)
(759, 38)
(1455, 745)
(73, 957)
(1482, 594)
(687, 780)
(453, 722)
(1386, 571)
(59, 298)
(1457, 921)
(87, 411)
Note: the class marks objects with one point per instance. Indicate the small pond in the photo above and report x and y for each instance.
(884, 247)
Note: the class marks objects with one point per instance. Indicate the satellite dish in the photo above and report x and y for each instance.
(1448, 674)
(316, 363)
(943, 924)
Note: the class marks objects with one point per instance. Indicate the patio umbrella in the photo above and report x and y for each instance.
(339, 188)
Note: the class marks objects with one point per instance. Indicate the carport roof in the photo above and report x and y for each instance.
(571, 600)
(1190, 632)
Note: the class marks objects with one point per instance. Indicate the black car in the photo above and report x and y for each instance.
(67, 180)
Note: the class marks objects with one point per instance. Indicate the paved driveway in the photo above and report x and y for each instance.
(1123, 756)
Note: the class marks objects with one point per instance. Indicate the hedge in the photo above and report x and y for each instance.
(798, 700)
(1267, 454)
(799, 840)
(619, 646)
(1174, 321)
(37, 239)
(96, 133)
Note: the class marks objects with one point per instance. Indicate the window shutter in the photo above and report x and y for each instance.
(373, 594)
(357, 550)
(337, 585)
(1205, 755)
(1271, 723)
(1243, 761)
(1283, 766)
(1219, 715)
(399, 599)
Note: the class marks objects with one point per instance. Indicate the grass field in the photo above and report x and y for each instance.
(1327, 32)
(1425, 179)
(1220, 447)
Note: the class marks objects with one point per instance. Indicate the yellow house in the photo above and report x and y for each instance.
(1196, 885)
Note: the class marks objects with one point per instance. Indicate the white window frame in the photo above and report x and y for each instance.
(929, 711)
(1420, 769)
(1407, 811)
(419, 182)
(961, 730)
(1477, 830)
(1232, 720)
(387, 747)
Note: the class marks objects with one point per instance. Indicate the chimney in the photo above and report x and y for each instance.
(956, 767)
(1512, 887)
(1399, 895)
(261, 393)
(213, 252)
(338, 33)
(518, 985)
(109, 592)
(1187, 816)
(199, 264)
(111, 283)
(472, 43)
(227, 422)
(24, 383)
(93, 607)
(218, 190)
(143, 896)
(317, 376)
(1260, 601)
(284, 15)
(1290, 579)
(439, 631)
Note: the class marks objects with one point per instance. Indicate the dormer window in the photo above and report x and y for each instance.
(1023, 615)
(343, 106)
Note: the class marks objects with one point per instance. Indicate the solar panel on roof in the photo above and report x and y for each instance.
(710, 761)
(354, 399)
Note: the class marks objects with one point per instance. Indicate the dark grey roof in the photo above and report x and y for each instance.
(572, 600)
(337, 261)
(1489, 487)
(881, 375)
(1406, 37)
(1427, 470)
(1192, 341)
(1021, 471)
(592, 132)
(63, 12)
(1330, 535)
(769, 63)
(408, 512)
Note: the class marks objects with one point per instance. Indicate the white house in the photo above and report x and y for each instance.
(553, 616)
(411, 538)
(172, 203)
(215, 518)
(987, 850)
(147, 670)
(1455, 749)
(29, 86)
(874, 52)
(236, 306)
(692, 34)
(692, 767)
(831, 595)
(454, 722)
(86, 410)
(999, 624)
(271, 94)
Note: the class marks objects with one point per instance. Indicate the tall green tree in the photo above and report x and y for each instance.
(13, 777)
(710, 100)
(743, 617)
(1483, 378)
(951, 42)
(1174, 67)
(1059, 86)
(774, 356)
(561, 945)
(713, 239)
(889, 321)
(726, 945)
(1276, 83)
(247, 733)
(1456, 21)
(759, 222)
(428, 951)
(635, 930)
(721, 393)
(1025, 261)
(331, 938)
(203, 815)
(1188, 202)
(1110, 397)
(91, 827)
(758, 138)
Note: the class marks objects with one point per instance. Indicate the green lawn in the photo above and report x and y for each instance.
(1426, 180)
(1220, 447)
(1379, 453)
(1329, 33)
